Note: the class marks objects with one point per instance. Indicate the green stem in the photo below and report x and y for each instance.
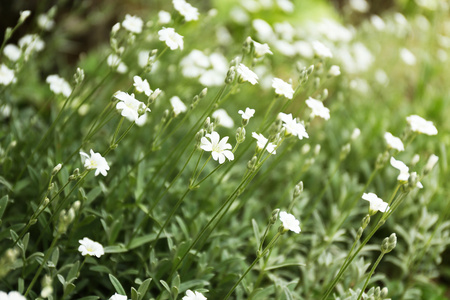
(370, 274)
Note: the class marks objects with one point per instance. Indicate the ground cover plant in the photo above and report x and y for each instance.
(225, 150)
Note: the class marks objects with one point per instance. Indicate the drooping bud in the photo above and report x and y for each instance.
(389, 243)
(298, 189)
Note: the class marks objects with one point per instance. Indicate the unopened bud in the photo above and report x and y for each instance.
(365, 221)
(79, 76)
(324, 94)
(154, 95)
(24, 15)
(33, 221)
(231, 75)
(345, 150)
(274, 216)
(142, 109)
(247, 46)
(310, 70)
(298, 189)
(355, 134)
(415, 159)
(76, 205)
(240, 135)
(359, 233)
(46, 201)
(199, 136)
(56, 169)
(432, 161)
(377, 292)
(207, 123)
(115, 29)
(381, 160)
(384, 292)
(8, 33)
(252, 163)
(389, 243)
(305, 149)
(203, 93)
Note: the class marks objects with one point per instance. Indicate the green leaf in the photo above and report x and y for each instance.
(134, 294)
(115, 249)
(25, 241)
(61, 279)
(139, 241)
(143, 288)
(3, 203)
(256, 232)
(117, 285)
(166, 286)
(68, 289)
(6, 183)
(93, 194)
(90, 298)
(73, 271)
(284, 265)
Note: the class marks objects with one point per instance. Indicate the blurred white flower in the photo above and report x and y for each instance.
(219, 148)
(432, 161)
(59, 85)
(261, 142)
(283, 88)
(334, 71)
(185, 9)
(247, 114)
(290, 222)
(6, 75)
(318, 109)
(420, 125)
(177, 105)
(12, 52)
(394, 142)
(116, 63)
(190, 295)
(118, 297)
(321, 50)
(361, 6)
(377, 22)
(164, 17)
(222, 118)
(133, 23)
(30, 43)
(261, 49)
(404, 170)
(285, 5)
(11, 296)
(45, 23)
(24, 15)
(129, 106)
(95, 161)
(173, 40)
(142, 86)
(304, 49)
(376, 204)
(245, 74)
(264, 31)
(355, 134)
(407, 57)
(91, 248)
(293, 127)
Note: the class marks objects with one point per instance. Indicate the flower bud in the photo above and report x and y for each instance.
(317, 150)
(24, 15)
(415, 159)
(377, 292)
(274, 216)
(199, 136)
(359, 233)
(252, 163)
(203, 93)
(79, 76)
(310, 70)
(384, 292)
(345, 150)
(115, 29)
(365, 221)
(324, 94)
(240, 135)
(154, 95)
(389, 243)
(247, 45)
(355, 134)
(298, 189)
(432, 161)
(231, 75)
(56, 169)
(76, 205)
(316, 82)
(305, 149)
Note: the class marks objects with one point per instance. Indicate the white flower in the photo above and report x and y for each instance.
(376, 204)
(334, 71)
(129, 106)
(290, 222)
(12, 52)
(91, 248)
(245, 74)
(6, 75)
(173, 40)
(222, 118)
(355, 134)
(189, 12)
(404, 170)
(44, 22)
(30, 43)
(133, 24)
(359, 5)
(95, 161)
(142, 86)
(177, 105)
(11, 296)
(118, 297)
(394, 142)
(283, 88)
(247, 114)
(24, 15)
(190, 295)
(377, 22)
(432, 161)
(420, 125)
(218, 148)
(321, 50)
(318, 109)
(59, 85)
(292, 127)
(115, 62)
(407, 57)
(261, 142)
(261, 49)
(164, 17)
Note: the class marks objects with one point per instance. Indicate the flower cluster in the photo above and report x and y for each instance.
(131, 108)
(58, 85)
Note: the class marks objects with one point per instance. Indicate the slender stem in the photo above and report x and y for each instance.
(269, 246)
(370, 274)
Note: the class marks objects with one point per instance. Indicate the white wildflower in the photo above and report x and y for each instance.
(432, 161)
(394, 142)
(142, 86)
(283, 88)
(321, 50)
(420, 125)
(318, 109)
(334, 71)
(376, 204)
(91, 248)
(173, 40)
(133, 24)
(245, 74)
(261, 49)
(293, 127)
(164, 17)
(177, 105)
(261, 142)
(13, 295)
(116, 63)
(59, 85)
(404, 170)
(118, 297)
(129, 106)
(185, 9)
(222, 118)
(219, 148)
(12, 52)
(190, 295)
(247, 114)
(407, 57)
(6, 75)
(45, 23)
(290, 222)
